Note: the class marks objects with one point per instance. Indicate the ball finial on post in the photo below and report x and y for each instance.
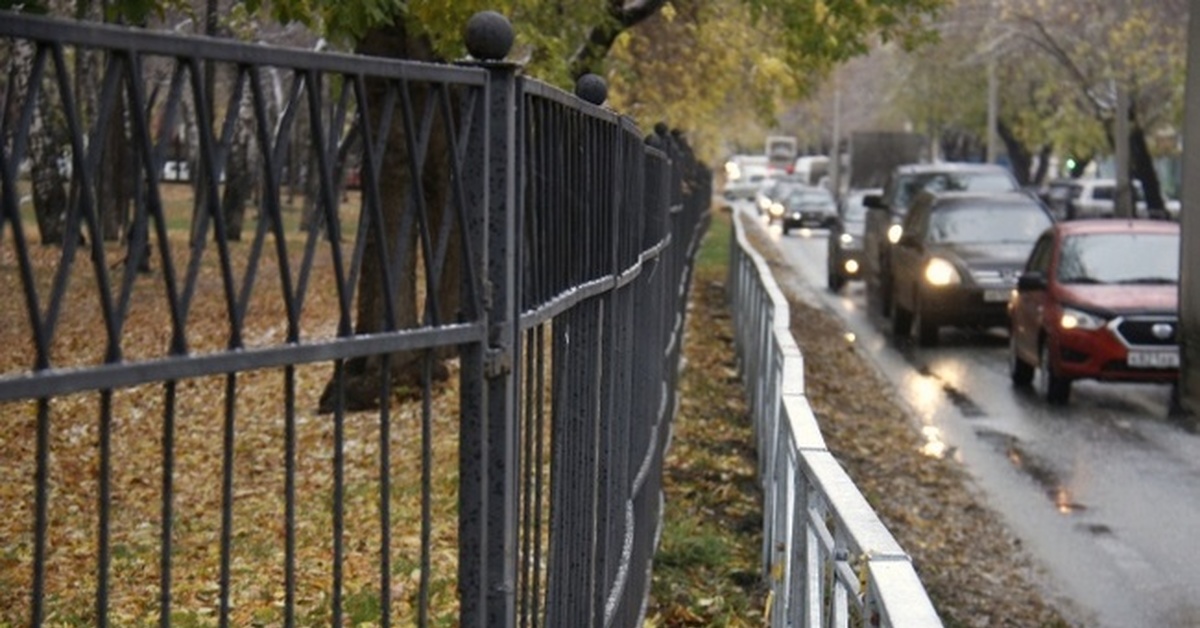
(489, 36)
(592, 88)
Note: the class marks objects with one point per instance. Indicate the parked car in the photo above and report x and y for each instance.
(1098, 299)
(887, 212)
(843, 261)
(958, 259)
(1070, 199)
(804, 206)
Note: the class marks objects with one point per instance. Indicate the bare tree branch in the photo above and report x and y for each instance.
(621, 17)
(1047, 43)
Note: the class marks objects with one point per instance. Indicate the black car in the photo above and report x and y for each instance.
(775, 188)
(958, 259)
(844, 251)
(804, 206)
(888, 209)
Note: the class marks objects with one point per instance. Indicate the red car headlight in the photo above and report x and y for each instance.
(1078, 319)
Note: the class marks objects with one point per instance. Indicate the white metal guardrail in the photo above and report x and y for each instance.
(828, 558)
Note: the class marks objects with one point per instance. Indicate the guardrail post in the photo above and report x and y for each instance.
(489, 438)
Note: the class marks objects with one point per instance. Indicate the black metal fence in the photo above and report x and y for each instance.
(306, 338)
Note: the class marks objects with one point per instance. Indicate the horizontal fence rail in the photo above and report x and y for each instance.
(829, 559)
(304, 338)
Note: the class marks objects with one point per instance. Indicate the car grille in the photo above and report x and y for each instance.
(991, 277)
(1149, 330)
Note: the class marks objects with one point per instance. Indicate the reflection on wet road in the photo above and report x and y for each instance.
(1104, 493)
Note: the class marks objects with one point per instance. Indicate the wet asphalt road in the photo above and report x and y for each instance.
(1104, 493)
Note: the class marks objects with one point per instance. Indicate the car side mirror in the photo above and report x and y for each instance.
(873, 201)
(1032, 280)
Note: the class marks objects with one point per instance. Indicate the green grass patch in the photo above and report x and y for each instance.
(714, 249)
(688, 544)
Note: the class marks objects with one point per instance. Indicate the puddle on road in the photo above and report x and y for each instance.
(966, 406)
(1037, 469)
(1097, 529)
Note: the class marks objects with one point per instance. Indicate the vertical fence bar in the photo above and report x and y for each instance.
(385, 492)
(41, 514)
(609, 251)
(103, 557)
(168, 509)
(227, 496)
(289, 497)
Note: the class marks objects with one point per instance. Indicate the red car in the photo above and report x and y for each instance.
(1098, 300)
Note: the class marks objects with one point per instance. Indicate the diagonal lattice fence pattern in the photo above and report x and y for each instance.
(306, 338)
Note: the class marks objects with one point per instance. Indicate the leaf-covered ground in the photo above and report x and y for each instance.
(259, 457)
(973, 568)
(708, 568)
(707, 572)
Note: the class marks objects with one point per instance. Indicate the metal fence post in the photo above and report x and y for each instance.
(489, 474)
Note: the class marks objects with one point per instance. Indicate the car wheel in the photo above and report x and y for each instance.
(1020, 370)
(885, 295)
(926, 330)
(1055, 388)
(833, 279)
(786, 228)
(901, 319)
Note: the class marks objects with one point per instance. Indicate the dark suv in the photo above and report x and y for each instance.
(887, 211)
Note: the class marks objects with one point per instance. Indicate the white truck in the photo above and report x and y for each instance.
(781, 151)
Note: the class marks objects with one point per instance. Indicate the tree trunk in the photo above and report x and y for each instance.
(1043, 167)
(191, 142)
(89, 64)
(957, 145)
(363, 375)
(114, 183)
(1019, 157)
(311, 182)
(1142, 166)
(49, 190)
(241, 170)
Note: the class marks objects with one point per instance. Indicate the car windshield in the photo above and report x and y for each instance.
(855, 211)
(987, 225)
(806, 198)
(953, 182)
(1120, 258)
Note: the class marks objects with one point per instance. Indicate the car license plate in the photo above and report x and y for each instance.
(996, 295)
(1153, 359)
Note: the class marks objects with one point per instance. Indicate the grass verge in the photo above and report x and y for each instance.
(707, 571)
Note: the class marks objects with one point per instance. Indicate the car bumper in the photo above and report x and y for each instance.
(808, 219)
(1098, 354)
(966, 306)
